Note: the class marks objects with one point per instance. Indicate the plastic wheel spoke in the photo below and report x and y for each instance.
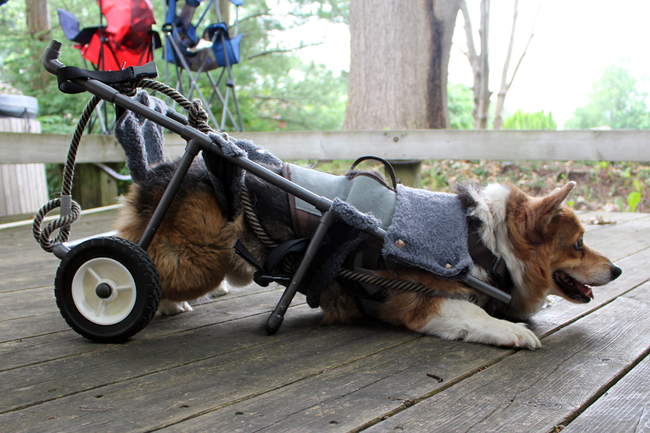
(100, 309)
(124, 288)
(94, 274)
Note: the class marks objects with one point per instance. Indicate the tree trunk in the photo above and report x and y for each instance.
(399, 60)
(224, 10)
(38, 18)
(484, 82)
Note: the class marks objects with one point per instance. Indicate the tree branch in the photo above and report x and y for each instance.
(469, 35)
(461, 50)
(532, 33)
(261, 14)
(288, 50)
(505, 84)
(506, 64)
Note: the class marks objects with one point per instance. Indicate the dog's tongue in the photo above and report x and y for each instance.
(584, 289)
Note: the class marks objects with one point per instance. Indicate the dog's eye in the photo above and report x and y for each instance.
(579, 245)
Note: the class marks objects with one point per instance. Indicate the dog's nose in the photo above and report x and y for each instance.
(616, 271)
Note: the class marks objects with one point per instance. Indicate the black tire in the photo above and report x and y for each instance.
(126, 302)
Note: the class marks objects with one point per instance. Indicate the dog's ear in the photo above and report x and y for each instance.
(550, 206)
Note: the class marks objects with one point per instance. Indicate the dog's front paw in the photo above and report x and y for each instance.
(171, 308)
(462, 320)
(510, 334)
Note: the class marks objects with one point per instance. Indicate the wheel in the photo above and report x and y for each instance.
(107, 289)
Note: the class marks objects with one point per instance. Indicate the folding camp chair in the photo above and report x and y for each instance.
(126, 40)
(194, 55)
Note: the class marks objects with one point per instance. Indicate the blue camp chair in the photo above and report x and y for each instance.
(195, 52)
(70, 26)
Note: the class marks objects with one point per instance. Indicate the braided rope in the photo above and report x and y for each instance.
(63, 223)
(197, 117)
(387, 283)
(253, 221)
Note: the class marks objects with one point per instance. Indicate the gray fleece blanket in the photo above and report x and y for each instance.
(141, 139)
(429, 231)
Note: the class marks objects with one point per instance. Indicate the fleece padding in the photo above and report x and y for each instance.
(429, 231)
(364, 193)
(141, 139)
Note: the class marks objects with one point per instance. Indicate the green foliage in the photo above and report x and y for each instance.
(55, 124)
(461, 103)
(276, 89)
(20, 60)
(633, 200)
(521, 120)
(615, 101)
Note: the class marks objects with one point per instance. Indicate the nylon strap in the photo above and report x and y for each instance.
(243, 252)
(279, 253)
(128, 75)
(482, 255)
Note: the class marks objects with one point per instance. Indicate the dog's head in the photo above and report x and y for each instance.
(547, 240)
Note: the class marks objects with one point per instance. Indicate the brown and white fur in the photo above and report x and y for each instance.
(540, 239)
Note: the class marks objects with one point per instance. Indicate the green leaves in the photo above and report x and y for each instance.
(633, 199)
(521, 120)
(461, 103)
(615, 101)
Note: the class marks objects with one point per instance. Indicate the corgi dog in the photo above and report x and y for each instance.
(538, 240)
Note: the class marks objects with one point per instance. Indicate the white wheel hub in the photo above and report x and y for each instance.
(104, 310)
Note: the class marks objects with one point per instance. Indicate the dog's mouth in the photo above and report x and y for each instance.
(572, 288)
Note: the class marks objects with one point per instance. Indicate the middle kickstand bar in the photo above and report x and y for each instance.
(275, 319)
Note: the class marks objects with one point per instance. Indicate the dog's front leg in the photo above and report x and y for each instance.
(457, 319)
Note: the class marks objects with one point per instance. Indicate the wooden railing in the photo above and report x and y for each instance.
(584, 145)
(411, 146)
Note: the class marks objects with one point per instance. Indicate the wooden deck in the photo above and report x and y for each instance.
(215, 369)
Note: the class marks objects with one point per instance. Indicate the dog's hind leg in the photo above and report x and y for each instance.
(337, 305)
(171, 308)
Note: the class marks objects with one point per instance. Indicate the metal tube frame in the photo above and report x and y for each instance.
(198, 141)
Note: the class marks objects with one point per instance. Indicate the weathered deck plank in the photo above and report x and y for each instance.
(215, 369)
(344, 398)
(534, 391)
(202, 383)
(624, 408)
(392, 392)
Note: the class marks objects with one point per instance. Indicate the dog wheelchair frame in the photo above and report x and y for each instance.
(107, 288)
